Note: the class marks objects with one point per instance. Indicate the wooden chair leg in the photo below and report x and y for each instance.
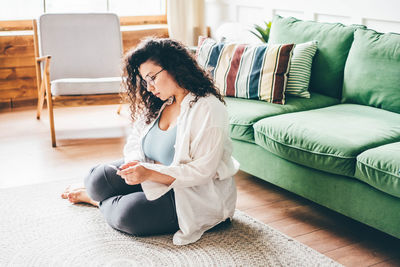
(119, 109)
(49, 99)
(40, 101)
(51, 120)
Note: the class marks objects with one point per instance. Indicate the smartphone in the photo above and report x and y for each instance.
(114, 167)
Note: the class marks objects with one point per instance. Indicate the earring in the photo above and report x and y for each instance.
(170, 100)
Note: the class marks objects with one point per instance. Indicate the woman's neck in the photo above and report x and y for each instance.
(179, 97)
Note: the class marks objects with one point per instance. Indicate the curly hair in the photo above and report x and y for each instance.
(173, 57)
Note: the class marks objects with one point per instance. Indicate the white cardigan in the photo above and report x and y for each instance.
(203, 168)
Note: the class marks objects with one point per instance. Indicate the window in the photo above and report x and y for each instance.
(12, 9)
(62, 6)
(137, 7)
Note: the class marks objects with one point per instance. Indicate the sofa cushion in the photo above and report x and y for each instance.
(247, 71)
(243, 113)
(334, 41)
(380, 167)
(328, 139)
(300, 69)
(372, 72)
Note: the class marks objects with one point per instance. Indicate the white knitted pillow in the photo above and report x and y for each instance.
(300, 69)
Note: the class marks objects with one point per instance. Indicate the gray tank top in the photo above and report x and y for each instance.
(158, 145)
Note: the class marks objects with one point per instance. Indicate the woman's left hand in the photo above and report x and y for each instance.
(134, 175)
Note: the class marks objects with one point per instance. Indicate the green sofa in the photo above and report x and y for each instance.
(341, 147)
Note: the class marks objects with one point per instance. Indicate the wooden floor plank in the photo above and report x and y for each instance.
(325, 240)
(389, 263)
(293, 227)
(360, 254)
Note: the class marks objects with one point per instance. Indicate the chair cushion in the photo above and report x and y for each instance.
(380, 167)
(372, 72)
(328, 139)
(80, 86)
(300, 69)
(248, 71)
(243, 113)
(334, 41)
(81, 45)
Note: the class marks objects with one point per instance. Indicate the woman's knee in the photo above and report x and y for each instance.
(127, 222)
(135, 215)
(127, 213)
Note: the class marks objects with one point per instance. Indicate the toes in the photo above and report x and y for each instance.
(72, 197)
(72, 189)
(66, 192)
(80, 196)
(75, 196)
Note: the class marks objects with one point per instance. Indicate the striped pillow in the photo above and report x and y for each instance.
(247, 71)
(300, 69)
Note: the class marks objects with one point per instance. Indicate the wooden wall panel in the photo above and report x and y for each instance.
(131, 38)
(17, 69)
(23, 92)
(17, 63)
(17, 73)
(17, 40)
(16, 25)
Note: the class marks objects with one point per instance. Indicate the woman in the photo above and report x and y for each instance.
(176, 175)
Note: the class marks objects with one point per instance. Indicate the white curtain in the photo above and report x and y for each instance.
(186, 20)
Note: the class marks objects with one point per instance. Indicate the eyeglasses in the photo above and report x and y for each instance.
(150, 80)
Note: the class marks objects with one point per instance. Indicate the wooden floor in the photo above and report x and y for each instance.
(91, 135)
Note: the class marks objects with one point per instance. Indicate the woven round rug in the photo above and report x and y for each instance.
(38, 228)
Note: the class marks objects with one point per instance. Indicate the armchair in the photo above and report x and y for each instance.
(78, 59)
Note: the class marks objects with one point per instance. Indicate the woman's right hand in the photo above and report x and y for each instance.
(129, 164)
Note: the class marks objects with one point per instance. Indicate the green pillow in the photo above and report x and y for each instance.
(300, 69)
(372, 72)
(334, 41)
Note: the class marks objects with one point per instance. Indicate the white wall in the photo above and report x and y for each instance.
(380, 15)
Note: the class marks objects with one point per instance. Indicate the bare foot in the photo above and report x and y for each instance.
(77, 194)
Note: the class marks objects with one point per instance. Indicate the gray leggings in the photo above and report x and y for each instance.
(126, 208)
